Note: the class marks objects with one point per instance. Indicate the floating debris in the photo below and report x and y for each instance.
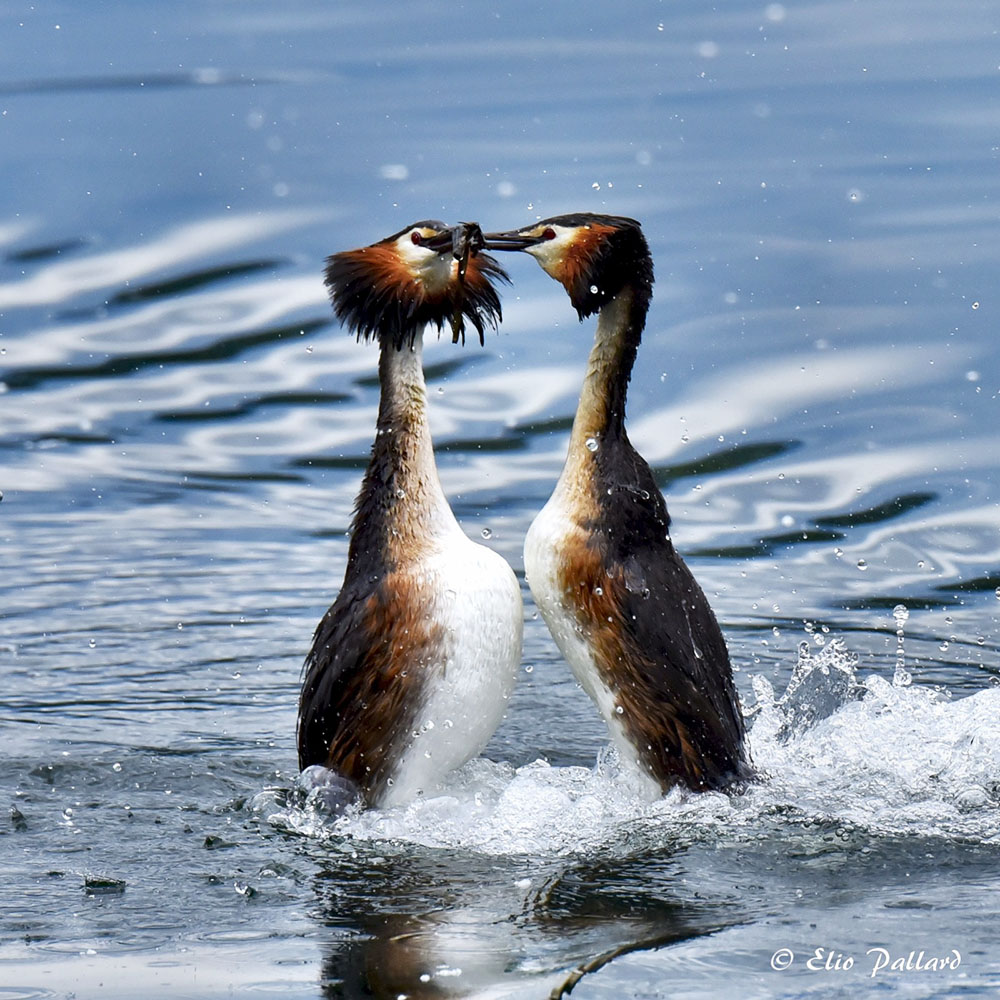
(96, 886)
(214, 843)
(17, 820)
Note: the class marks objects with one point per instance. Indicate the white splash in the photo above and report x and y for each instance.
(889, 760)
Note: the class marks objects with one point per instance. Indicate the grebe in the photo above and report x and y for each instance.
(620, 602)
(411, 669)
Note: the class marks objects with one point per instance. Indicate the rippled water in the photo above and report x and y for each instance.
(183, 429)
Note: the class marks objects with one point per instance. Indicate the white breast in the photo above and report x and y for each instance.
(476, 597)
(544, 547)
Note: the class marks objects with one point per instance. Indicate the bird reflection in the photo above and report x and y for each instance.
(426, 930)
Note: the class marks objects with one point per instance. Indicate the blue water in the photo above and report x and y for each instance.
(183, 429)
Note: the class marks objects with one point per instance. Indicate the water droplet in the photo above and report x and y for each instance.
(862, 565)
(528, 668)
(838, 552)
(448, 724)
(593, 289)
(975, 305)
(598, 591)
(997, 592)
(972, 376)
(92, 644)
(116, 767)
(400, 494)
(901, 677)
(592, 444)
(619, 710)
(486, 533)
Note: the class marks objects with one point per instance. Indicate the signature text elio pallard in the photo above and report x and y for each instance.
(877, 960)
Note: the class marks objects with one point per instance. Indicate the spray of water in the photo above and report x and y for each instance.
(882, 758)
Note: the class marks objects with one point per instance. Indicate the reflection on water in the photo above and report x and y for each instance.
(183, 429)
(472, 942)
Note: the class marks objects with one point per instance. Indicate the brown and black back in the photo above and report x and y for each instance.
(656, 641)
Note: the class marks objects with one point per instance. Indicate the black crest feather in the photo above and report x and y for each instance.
(375, 296)
(621, 258)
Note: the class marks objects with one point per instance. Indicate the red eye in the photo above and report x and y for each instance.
(549, 234)
(416, 237)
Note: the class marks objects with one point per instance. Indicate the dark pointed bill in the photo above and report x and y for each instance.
(508, 241)
(464, 241)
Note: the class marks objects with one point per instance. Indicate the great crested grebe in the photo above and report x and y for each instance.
(411, 669)
(620, 602)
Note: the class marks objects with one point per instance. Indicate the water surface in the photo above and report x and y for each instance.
(183, 429)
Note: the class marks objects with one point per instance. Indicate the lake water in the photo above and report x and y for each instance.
(183, 429)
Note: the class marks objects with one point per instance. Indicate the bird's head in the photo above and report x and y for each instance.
(592, 256)
(425, 273)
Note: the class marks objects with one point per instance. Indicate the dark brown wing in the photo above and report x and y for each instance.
(672, 639)
(363, 681)
(662, 646)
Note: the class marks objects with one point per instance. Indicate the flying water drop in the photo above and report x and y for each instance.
(901, 676)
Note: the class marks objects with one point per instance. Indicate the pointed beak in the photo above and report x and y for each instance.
(464, 241)
(508, 241)
(444, 240)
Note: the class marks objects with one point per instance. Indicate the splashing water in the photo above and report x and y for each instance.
(884, 759)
